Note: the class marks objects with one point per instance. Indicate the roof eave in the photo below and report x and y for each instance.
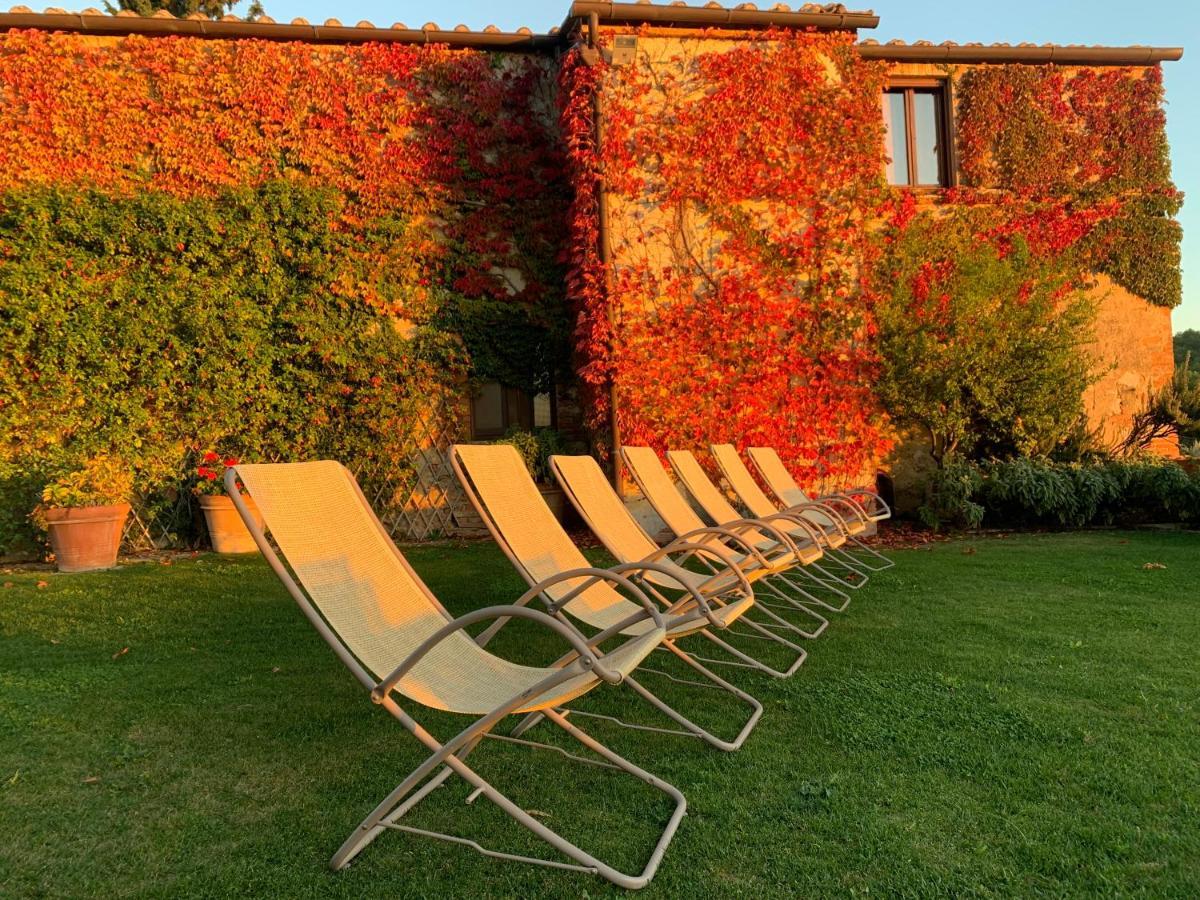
(968, 53)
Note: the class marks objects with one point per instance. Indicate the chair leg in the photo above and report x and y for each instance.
(794, 603)
(451, 756)
(871, 552)
(746, 661)
(817, 582)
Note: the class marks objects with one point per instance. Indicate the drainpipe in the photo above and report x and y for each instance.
(605, 249)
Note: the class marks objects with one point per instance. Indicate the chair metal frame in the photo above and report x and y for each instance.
(724, 575)
(449, 757)
(690, 615)
(783, 485)
(783, 526)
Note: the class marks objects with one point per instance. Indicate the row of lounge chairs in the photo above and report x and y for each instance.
(736, 595)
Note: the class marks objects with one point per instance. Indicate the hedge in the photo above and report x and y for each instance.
(153, 326)
(1028, 492)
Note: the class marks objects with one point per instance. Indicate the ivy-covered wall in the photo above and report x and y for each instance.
(278, 249)
(752, 235)
(285, 249)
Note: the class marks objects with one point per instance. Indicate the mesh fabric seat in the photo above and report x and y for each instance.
(538, 545)
(713, 502)
(378, 605)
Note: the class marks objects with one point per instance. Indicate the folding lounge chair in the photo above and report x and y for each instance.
(784, 486)
(368, 604)
(740, 538)
(832, 531)
(851, 511)
(586, 486)
(502, 491)
(803, 534)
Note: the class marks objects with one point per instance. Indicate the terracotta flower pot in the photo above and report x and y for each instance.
(225, 527)
(85, 538)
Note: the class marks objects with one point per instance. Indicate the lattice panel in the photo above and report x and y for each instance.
(414, 492)
(416, 496)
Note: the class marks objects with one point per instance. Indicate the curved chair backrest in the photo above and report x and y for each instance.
(587, 486)
(776, 475)
(652, 478)
(742, 482)
(353, 579)
(500, 487)
(711, 499)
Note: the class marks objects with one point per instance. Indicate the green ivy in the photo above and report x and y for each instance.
(151, 326)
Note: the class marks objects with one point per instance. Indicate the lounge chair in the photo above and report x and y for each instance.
(741, 538)
(588, 489)
(860, 501)
(499, 486)
(373, 610)
(857, 518)
(802, 533)
(833, 530)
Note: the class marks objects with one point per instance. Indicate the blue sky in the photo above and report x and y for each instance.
(1162, 23)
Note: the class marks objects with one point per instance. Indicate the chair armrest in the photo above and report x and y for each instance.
(644, 566)
(693, 549)
(723, 531)
(588, 658)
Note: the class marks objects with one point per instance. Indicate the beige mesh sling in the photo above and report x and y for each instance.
(830, 529)
(744, 540)
(588, 489)
(368, 604)
(858, 514)
(499, 486)
(804, 535)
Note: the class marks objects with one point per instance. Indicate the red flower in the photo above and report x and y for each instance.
(231, 461)
(206, 473)
(211, 456)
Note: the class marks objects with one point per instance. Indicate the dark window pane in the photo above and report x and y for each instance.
(489, 411)
(897, 141)
(928, 138)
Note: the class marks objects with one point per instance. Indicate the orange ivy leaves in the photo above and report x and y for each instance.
(744, 176)
(449, 168)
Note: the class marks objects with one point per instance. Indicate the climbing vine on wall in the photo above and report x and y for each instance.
(372, 223)
(743, 176)
(462, 143)
(1081, 139)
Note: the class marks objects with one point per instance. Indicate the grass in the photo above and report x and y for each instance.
(995, 718)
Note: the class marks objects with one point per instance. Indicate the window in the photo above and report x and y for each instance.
(497, 408)
(918, 134)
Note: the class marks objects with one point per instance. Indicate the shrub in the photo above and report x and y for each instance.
(1032, 492)
(982, 340)
(154, 327)
(535, 447)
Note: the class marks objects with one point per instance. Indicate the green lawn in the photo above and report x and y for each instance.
(1001, 717)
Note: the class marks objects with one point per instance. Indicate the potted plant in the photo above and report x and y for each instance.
(84, 514)
(226, 530)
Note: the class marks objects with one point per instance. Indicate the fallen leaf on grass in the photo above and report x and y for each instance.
(55, 641)
(43, 584)
(165, 561)
(1122, 542)
(275, 668)
(539, 813)
(969, 551)
(9, 584)
(91, 779)
(120, 652)
(1153, 566)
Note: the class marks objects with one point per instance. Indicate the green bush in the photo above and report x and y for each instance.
(151, 327)
(1028, 492)
(535, 447)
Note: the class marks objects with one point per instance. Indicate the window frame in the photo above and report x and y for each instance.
(943, 89)
(516, 410)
